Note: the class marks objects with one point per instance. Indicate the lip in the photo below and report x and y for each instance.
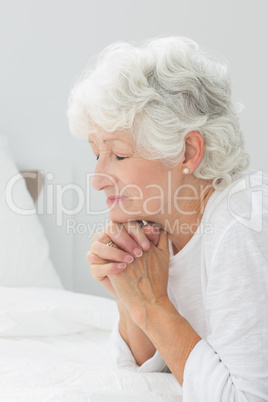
(115, 199)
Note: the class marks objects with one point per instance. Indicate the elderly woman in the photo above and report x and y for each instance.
(188, 256)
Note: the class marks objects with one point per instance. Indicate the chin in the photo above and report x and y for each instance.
(121, 217)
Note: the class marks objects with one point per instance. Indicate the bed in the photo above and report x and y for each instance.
(54, 343)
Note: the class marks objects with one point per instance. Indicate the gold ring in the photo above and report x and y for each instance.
(110, 244)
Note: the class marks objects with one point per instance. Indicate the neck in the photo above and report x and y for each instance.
(186, 218)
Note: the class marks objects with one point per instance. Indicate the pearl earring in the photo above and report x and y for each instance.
(186, 170)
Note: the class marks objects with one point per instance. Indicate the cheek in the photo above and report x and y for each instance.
(155, 176)
(137, 181)
(132, 176)
(143, 177)
(146, 185)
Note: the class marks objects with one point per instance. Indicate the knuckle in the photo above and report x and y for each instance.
(93, 270)
(114, 268)
(129, 225)
(111, 269)
(102, 237)
(133, 227)
(95, 248)
(88, 256)
(92, 258)
(95, 237)
(109, 226)
(114, 228)
(96, 273)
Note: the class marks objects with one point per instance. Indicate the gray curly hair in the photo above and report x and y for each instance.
(159, 91)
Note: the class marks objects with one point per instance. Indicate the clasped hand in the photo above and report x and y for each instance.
(144, 280)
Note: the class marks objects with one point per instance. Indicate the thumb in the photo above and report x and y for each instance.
(163, 241)
(152, 231)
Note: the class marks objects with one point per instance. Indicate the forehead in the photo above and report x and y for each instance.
(117, 137)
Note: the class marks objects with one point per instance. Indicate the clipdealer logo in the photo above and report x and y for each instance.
(249, 214)
(54, 200)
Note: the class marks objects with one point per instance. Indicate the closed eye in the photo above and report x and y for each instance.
(119, 158)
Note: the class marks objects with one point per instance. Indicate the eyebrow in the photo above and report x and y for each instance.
(107, 140)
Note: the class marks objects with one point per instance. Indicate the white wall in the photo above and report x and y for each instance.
(46, 44)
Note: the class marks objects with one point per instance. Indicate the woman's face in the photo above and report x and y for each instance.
(136, 188)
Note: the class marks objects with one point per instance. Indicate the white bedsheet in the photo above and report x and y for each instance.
(54, 346)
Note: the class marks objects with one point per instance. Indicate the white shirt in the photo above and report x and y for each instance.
(219, 283)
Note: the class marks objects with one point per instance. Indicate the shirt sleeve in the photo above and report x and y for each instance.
(231, 365)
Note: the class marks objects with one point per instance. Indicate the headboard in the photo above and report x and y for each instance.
(54, 206)
(34, 181)
(61, 243)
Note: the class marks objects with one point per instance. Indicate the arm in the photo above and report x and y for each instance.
(232, 364)
(172, 335)
(140, 345)
(142, 289)
(131, 237)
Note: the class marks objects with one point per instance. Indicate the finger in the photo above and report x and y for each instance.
(102, 237)
(110, 253)
(135, 230)
(94, 259)
(163, 241)
(122, 238)
(152, 232)
(99, 272)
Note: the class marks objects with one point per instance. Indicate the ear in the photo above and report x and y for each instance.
(194, 149)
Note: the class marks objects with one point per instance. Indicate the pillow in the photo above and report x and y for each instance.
(24, 250)
(52, 312)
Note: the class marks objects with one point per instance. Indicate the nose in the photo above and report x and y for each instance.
(101, 177)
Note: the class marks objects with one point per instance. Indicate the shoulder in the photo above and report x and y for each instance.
(237, 216)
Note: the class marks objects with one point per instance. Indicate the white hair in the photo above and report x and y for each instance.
(159, 91)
